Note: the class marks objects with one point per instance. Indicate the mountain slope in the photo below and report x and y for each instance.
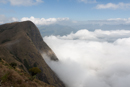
(22, 43)
(15, 77)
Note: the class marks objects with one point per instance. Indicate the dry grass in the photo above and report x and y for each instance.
(17, 78)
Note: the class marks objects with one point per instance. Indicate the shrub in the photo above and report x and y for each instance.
(5, 77)
(32, 77)
(34, 70)
(13, 64)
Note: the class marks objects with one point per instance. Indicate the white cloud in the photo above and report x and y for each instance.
(14, 19)
(113, 6)
(123, 20)
(97, 35)
(93, 61)
(25, 2)
(111, 21)
(67, 21)
(3, 1)
(22, 2)
(87, 1)
(43, 21)
(118, 19)
(4, 19)
(37, 21)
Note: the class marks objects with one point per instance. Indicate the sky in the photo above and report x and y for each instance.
(43, 12)
(99, 58)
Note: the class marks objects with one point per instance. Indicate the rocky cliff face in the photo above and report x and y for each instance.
(22, 43)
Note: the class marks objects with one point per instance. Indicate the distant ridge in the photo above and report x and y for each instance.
(22, 43)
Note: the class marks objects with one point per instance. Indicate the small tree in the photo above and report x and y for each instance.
(34, 70)
(13, 64)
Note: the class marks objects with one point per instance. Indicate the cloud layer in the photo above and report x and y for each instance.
(88, 1)
(4, 19)
(88, 59)
(66, 21)
(22, 2)
(110, 21)
(43, 21)
(113, 6)
(3, 1)
(97, 35)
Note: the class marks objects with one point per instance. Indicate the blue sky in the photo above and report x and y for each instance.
(77, 10)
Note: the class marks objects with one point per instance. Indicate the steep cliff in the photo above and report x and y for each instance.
(22, 43)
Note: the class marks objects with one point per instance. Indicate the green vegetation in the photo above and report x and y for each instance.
(10, 77)
(32, 78)
(34, 71)
(5, 77)
(13, 64)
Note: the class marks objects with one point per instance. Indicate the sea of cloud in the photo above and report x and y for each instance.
(92, 59)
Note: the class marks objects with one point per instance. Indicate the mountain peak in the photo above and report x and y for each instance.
(22, 43)
(28, 28)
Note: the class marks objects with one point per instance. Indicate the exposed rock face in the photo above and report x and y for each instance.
(22, 43)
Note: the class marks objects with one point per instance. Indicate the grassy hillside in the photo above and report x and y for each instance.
(10, 77)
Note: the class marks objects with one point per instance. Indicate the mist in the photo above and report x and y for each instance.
(92, 58)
